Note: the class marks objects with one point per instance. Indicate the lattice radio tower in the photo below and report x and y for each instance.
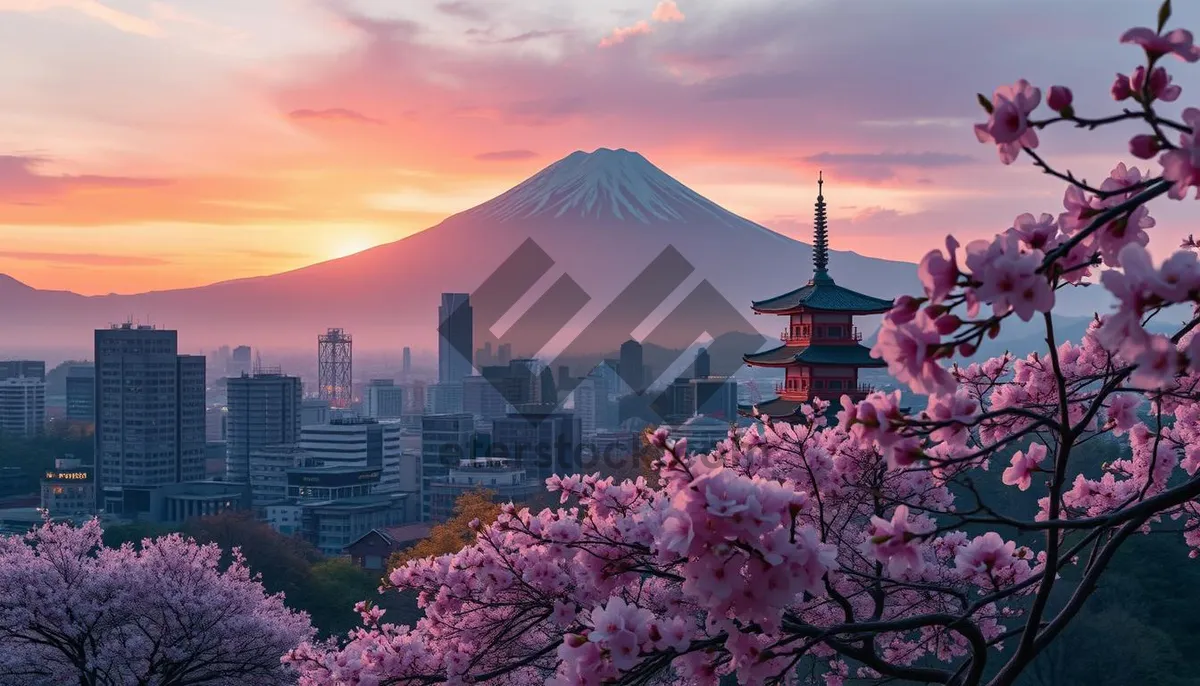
(335, 352)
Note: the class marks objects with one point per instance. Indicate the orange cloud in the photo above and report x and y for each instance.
(623, 33)
(667, 11)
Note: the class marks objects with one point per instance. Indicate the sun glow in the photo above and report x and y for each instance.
(349, 246)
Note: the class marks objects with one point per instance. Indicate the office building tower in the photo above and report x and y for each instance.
(444, 398)
(632, 367)
(542, 443)
(564, 377)
(445, 440)
(335, 370)
(504, 353)
(585, 396)
(456, 337)
(383, 399)
(406, 362)
(29, 369)
(150, 422)
(22, 407)
(547, 391)
(239, 362)
(264, 410)
(715, 397)
(482, 396)
(483, 356)
(702, 368)
(81, 393)
(363, 442)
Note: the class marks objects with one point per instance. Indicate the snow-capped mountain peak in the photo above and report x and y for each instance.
(606, 183)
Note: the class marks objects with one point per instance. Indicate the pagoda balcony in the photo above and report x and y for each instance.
(802, 335)
(803, 393)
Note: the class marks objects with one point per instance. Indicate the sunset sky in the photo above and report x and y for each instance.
(151, 144)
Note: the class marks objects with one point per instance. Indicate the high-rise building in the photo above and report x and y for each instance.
(383, 399)
(504, 353)
(542, 443)
(632, 367)
(81, 392)
(445, 440)
(363, 442)
(150, 404)
(483, 397)
(239, 362)
(444, 398)
(406, 362)
(715, 397)
(483, 356)
(335, 369)
(264, 410)
(22, 406)
(586, 397)
(456, 337)
(702, 369)
(30, 369)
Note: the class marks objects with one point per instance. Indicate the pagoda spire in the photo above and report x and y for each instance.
(820, 237)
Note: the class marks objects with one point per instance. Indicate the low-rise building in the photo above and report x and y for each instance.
(69, 488)
(332, 525)
(503, 477)
(372, 550)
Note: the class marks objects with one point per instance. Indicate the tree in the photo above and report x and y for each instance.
(284, 562)
(873, 548)
(455, 533)
(74, 611)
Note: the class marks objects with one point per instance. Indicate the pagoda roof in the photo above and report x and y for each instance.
(775, 408)
(818, 355)
(824, 295)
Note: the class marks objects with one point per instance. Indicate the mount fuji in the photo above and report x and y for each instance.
(601, 216)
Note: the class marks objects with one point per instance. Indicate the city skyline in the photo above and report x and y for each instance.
(313, 130)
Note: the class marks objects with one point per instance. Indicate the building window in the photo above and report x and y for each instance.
(834, 331)
(819, 384)
(835, 385)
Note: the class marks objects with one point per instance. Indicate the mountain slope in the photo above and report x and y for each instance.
(601, 216)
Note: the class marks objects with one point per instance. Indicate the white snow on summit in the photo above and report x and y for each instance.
(607, 183)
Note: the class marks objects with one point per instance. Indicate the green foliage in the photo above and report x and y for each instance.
(36, 455)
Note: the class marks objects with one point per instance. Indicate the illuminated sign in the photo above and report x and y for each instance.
(333, 478)
(68, 476)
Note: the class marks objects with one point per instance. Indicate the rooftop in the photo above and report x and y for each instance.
(817, 355)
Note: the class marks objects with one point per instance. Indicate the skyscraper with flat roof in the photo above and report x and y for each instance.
(455, 338)
(149, 414)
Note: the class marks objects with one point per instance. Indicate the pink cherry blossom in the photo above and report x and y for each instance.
(984, 554)
(894, 542)
(1008, 125)
(1157, 87)
(1024, 464)
(74, 611)
(1182, 166)
(1177, 42)
(939, 273)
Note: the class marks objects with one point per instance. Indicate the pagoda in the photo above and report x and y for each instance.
(822, 349)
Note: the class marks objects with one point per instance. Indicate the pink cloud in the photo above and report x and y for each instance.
(667, 11)
(623, 33)
(335, 114)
